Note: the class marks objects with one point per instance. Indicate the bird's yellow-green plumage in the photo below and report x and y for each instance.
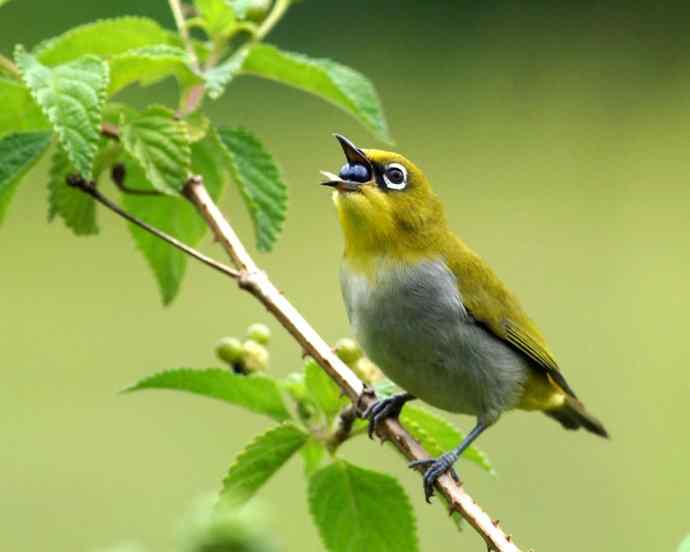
(409, 226)
(432, 313)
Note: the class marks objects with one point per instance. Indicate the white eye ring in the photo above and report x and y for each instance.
(394, 185)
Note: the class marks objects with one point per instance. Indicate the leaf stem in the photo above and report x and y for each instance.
(277, 12)
(90, 189)
(178, 15)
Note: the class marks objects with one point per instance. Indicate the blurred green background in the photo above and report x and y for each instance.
(558, 136)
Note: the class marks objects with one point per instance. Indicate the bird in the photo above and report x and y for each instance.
(432, 314)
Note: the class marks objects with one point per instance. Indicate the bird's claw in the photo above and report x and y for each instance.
(435, 468)
(382, 409)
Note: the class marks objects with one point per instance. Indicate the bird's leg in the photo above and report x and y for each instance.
(444, 463)
(385, 408)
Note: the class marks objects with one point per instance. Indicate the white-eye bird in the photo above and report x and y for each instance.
(432, 313)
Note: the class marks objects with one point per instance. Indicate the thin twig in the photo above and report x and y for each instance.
(258, 284)
(89, 188)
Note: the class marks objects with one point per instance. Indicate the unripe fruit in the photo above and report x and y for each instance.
(367, 371)
(259, 333)
(348, 350)
(255, 356)
(229, 349)
(256, 10)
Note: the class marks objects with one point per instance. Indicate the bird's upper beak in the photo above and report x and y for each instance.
(355, 157)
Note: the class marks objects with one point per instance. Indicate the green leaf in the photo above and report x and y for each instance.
(105, 38)
(358, 509)
(218, 77)
(685, 545)
(256, 392)
(313, 453)
(173, 215)
(18, 153)
(438, 436)
(260, 183)
(217, 17)
(336, 83)
(160, 143)
(323, 390)
(72, 97)
(149, 65)
(255, 465)
(19, 112)
(3, 2)
(76, 209)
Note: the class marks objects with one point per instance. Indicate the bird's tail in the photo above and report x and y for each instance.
(573, 415)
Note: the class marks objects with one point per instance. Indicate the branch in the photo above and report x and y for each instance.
(89, 188)
(257, 283)
(251, 279)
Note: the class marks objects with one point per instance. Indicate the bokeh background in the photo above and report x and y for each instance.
(558, 136)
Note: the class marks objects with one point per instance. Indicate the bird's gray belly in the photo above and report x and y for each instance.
(413, 324)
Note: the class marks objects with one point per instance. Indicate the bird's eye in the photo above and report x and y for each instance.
(395, 176)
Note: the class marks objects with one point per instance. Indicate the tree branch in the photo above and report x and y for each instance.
(258, 284)
(251, 279)
(89, 188)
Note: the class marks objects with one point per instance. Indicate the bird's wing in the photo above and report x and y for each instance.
(493, 306)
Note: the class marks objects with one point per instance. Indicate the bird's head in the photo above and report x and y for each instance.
(383, 200)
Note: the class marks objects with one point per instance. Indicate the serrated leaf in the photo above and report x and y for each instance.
(336, 83)
(18, 153)
(357, 509)
(173, 215)
(105, 38)
(149, 65)
(218, 77)
(72, 97)
(262, 458)
(260, 183)
(313, 453)
(438, 436)
(217, 17)
(77, 209)
(257, 392)
(323, 390)
(19, 112)
(160, 144)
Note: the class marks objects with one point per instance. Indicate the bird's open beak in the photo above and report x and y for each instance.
(334, 181)
(354, 156)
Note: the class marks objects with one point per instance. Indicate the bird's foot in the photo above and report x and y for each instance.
(383, 409)
(436, 467)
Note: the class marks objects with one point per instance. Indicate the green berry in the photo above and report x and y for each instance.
(259, 333)
(255, 356)
(230, 350)
(256, 10)
(348, 350)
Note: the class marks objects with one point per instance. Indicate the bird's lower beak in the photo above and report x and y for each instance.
(334, 181)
